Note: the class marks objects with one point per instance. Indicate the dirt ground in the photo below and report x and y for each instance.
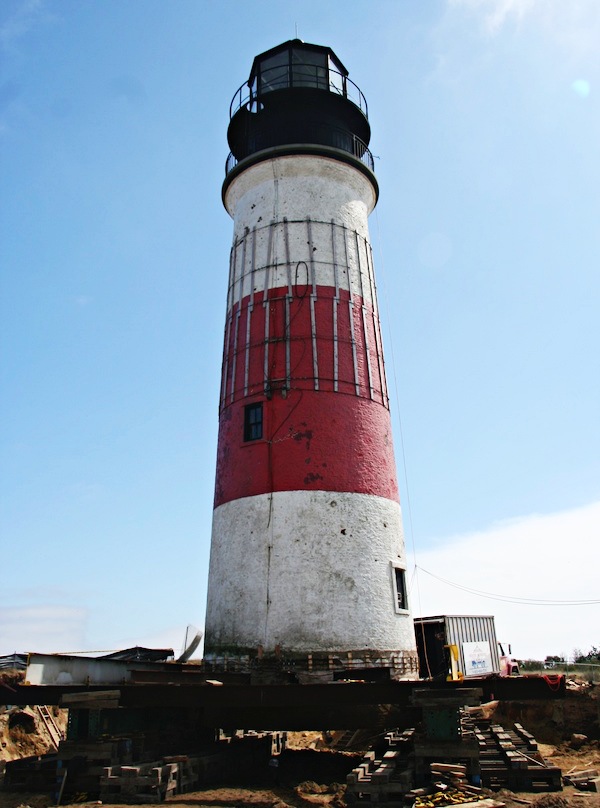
(18, 741)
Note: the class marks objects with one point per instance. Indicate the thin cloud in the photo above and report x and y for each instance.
(25, 17)
(552, 557)
(46, 629)
(496, 13)
(573, 26)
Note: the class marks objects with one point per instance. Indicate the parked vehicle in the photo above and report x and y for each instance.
(508, 664)
(552, 661)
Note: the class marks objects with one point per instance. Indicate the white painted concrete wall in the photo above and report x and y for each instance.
(308, 571)
(300, 188)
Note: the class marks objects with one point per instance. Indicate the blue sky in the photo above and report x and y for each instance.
(114, 254)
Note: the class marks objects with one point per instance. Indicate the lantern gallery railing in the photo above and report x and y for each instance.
(319, 135)
(304, 75)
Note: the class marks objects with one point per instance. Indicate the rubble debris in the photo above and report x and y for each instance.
(450, 797)
(450, 787)
(484, 803)
(572, 684)
(584, 780)
(310, 787)
(551, 801)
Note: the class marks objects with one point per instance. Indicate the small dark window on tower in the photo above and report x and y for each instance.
(400, 589)
(253, 421)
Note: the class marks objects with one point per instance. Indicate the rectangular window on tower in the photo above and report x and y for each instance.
(399, 585)
(253, 421)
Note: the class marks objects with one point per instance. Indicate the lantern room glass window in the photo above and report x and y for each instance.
(337, 82)
(274, 72)
(309, 69)
(298, 66)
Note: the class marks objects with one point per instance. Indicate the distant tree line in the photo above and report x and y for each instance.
(592, 657)
(530, 664)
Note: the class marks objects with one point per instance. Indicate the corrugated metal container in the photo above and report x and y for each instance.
(66, 669)
(474, 636)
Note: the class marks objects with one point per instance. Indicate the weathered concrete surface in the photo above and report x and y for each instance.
(306, 571)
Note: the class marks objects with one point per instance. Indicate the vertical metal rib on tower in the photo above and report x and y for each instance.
(307, 556)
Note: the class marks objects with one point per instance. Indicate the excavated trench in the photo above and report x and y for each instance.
(553, 722)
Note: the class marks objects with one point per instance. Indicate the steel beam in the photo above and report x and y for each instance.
(338, 705)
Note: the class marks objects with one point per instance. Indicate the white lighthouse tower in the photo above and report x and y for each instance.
(307, 562)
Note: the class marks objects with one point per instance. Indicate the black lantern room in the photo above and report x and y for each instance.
(298, 99)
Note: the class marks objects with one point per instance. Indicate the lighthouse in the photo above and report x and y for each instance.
(307, 564)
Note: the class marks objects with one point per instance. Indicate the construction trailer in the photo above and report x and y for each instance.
(474, 641)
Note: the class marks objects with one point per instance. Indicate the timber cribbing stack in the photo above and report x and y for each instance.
(510, 759)
(498, 759)
(149, 782)
(385, 779)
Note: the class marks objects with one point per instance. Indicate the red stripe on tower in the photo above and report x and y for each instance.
(302, 444)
